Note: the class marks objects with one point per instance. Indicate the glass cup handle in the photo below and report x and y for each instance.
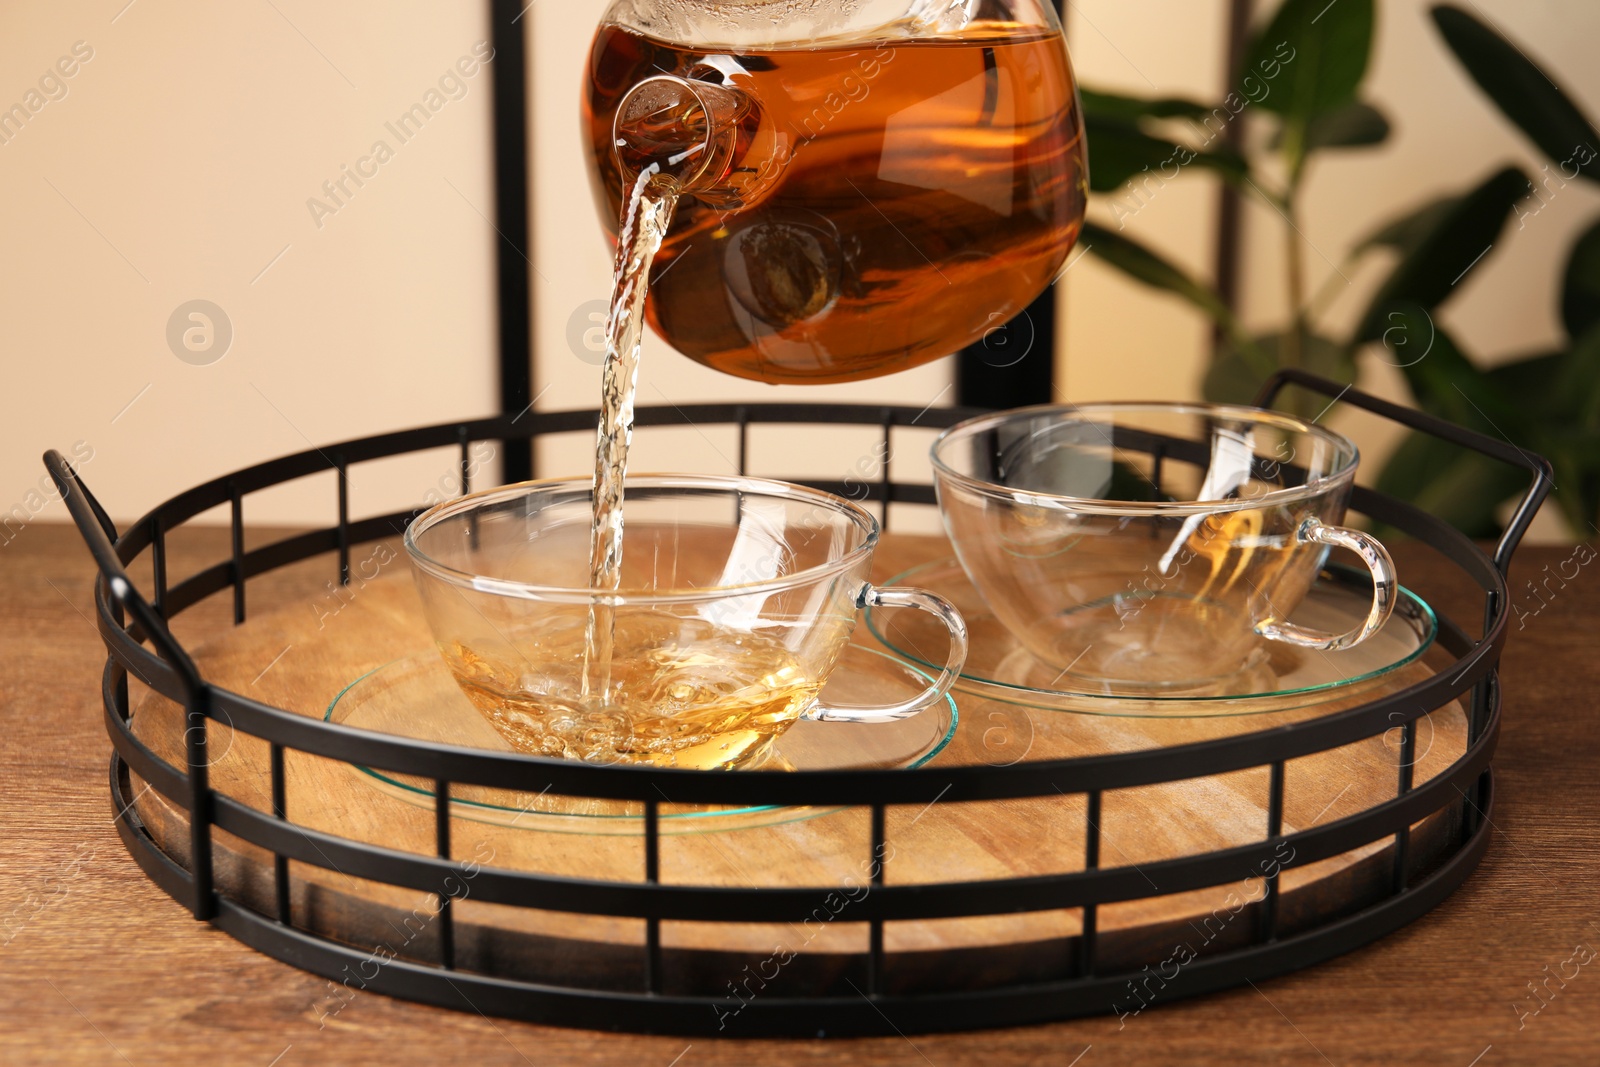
(906, 598)
(1378, 561)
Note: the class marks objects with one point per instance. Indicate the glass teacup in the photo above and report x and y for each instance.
(1148, 547)
(737, 597)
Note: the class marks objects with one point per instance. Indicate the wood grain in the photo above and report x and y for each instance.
(99, 965)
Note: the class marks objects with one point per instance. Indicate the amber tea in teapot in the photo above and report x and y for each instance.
(888, 197)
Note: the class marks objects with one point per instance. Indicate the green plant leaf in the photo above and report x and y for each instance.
(1460, 240)
(1574, 455)
(1442, 379)
(1530, 383)
(1148, 266)
(1408, 231)
(1580, 288)
(1554, 398)
(1463, 487)
(1225, 162)
(1355, 125)
(1311, 56)
(1576, 386)
(1120, 152)
(1520, 88)
(1513, 402)
(1235, 376)
(1132, 108)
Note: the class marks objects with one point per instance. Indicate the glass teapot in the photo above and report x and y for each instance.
(865, 185)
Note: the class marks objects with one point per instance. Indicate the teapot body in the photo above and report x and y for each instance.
(907, 177)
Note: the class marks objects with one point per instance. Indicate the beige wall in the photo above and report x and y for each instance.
(179, 163)
(1120, 339)
(179, 166)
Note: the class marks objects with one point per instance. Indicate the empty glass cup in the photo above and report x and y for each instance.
(1147, 547)
(737, 597)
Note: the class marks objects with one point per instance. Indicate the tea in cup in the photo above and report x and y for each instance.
(737, 597)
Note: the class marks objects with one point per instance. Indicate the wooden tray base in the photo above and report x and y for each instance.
(300, 658)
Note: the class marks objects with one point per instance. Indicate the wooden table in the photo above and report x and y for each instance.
(99, 966)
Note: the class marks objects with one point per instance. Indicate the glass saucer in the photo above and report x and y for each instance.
(1280, 677)
(417, 697)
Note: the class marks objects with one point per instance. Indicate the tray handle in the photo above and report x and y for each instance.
(99, 534)
(1421, 421)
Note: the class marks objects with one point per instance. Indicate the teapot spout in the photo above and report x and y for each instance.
(695, 133)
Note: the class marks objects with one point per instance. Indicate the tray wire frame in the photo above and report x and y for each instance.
(138, 642)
